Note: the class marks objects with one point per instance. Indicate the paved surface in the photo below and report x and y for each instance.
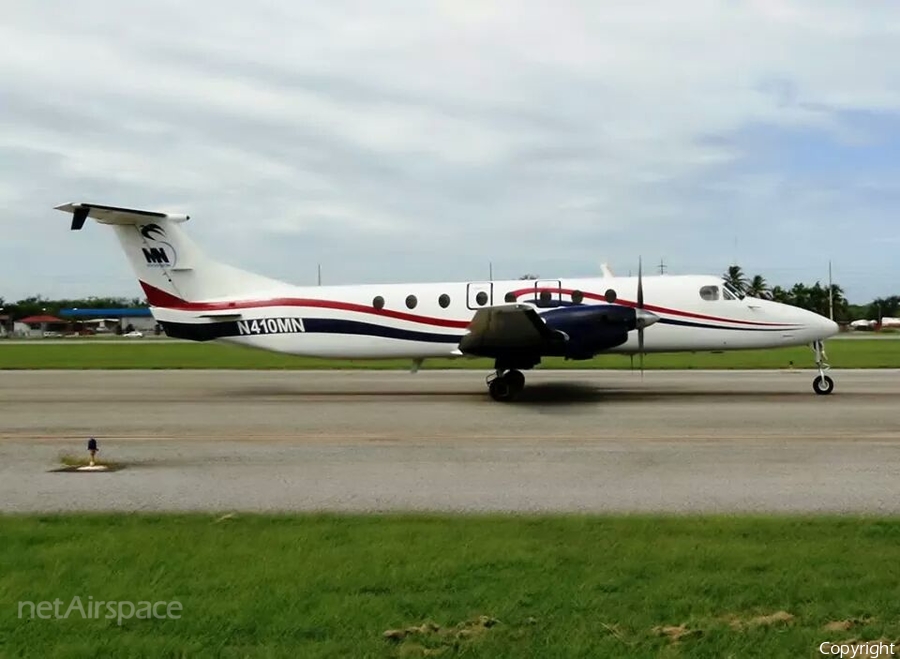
(350, 440)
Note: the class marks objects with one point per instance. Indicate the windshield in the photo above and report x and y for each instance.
(730, 292)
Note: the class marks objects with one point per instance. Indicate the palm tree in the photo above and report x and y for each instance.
(801, 295)
(780, 295)
(758, 287)
(736, 277)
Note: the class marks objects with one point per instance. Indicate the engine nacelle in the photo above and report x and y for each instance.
(589, 330)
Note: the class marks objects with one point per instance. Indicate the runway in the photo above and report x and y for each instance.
(582, 441)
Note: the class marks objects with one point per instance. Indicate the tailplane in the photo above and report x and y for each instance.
(168, 264)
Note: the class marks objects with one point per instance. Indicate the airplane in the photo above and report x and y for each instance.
(516, 323)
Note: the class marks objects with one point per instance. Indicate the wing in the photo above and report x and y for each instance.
(508, 328)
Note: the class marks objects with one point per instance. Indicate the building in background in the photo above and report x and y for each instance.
(111, 321)
(45, 325)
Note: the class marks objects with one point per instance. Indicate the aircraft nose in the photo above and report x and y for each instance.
(822, 326)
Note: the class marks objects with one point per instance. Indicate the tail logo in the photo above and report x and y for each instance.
(158, 253)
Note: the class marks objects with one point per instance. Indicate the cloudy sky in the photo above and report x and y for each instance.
(404, 141)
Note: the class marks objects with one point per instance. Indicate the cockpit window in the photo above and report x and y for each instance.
(729, 292)
(710, 293)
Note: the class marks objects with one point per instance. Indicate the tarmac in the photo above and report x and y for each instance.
(576, 441)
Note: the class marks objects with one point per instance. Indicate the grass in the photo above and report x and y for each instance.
(858, 353)
(569, 586)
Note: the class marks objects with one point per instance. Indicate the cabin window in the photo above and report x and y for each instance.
(444, 301)
(510, 297)
(481, 299)
(378, 302)
(411, 301)
(611, 296)
(577, 297)
(710, 293)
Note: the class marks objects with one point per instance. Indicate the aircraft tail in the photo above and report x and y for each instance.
(168, 264)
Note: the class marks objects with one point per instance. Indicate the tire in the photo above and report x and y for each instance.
(515, 380)
(500, 390)
(823, 388)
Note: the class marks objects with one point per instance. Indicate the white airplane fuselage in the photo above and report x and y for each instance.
(376, 321)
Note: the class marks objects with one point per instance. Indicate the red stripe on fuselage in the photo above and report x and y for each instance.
(159, 298)
(648, 307)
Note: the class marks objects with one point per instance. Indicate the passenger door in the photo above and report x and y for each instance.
(480, 295)
(548, 292)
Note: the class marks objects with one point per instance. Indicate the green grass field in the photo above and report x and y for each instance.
(330, 586)
(857, 353)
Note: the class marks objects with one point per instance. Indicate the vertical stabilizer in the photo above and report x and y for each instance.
(168, 264)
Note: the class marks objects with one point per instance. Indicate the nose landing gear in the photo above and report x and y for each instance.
(823, 384)
(505, 385)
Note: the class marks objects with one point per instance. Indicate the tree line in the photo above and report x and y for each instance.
(815, 298)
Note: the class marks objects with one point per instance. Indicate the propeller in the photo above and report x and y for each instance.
(643, 318)
(640, 308)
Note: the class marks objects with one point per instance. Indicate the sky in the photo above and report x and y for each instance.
(431, 141)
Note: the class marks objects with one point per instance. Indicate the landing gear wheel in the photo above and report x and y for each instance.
(823, 385)
(515, 380)
(500, 390)
(505, 386)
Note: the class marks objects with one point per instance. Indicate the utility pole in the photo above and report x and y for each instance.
(490, 271)
(830, 294)
(662, 267)
(319, 274)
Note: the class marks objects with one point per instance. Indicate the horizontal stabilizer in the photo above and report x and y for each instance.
(115, 215)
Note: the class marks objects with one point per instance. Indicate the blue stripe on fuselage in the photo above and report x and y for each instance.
(340, 326)
(690, 323)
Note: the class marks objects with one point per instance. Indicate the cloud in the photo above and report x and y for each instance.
(410, 141)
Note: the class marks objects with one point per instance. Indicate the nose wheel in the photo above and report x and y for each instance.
(505, 386)
(823, 384)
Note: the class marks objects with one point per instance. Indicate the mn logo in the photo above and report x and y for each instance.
(156, 255)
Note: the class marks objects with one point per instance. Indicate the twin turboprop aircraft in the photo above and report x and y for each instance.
(515, 323)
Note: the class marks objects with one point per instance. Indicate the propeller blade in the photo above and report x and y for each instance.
(640, 291)
(641, 350)
(640, 307)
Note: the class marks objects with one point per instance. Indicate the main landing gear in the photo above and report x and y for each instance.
(505, 385)
(822, 385)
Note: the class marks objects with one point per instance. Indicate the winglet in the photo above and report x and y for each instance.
(79, 216)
